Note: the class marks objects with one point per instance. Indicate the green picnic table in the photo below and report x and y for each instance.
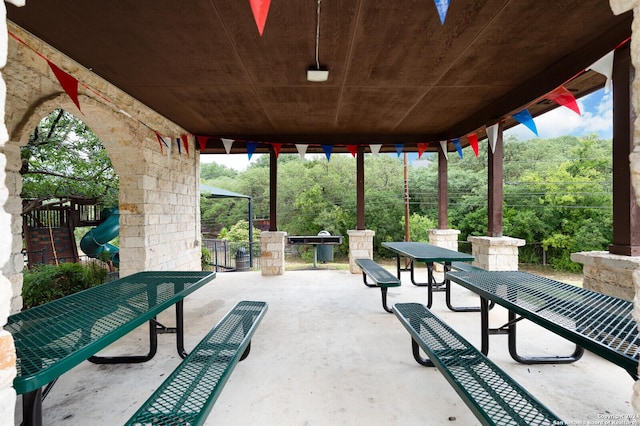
(430, 254)
(594, 321)
(53, 338)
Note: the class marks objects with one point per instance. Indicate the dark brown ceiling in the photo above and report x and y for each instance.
(396, 75)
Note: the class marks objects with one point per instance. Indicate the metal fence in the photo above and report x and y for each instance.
(233, 255)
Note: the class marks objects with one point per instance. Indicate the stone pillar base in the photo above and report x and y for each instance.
(445, 238)
(272, 252)
(608, 273)
(496, 253)
(360, 246)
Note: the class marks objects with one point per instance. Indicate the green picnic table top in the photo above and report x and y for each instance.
(598, 322)
(51, 339)
(423, 252)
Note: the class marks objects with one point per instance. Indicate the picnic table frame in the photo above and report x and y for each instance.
(594, 321)
(430, 254)
(53, 338)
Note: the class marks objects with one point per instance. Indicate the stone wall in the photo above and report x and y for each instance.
(360, 246)
(272, 252)
(7, 350)
(158, 201)
(496, 253)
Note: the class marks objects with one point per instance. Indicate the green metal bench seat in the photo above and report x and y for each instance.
(466, 267)
(380, 276)
(493, 396)
(187, 396)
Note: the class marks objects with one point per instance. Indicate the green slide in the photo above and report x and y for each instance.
(96, 241)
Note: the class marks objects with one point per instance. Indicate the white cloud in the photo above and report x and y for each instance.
(238, 162)
(597, 117)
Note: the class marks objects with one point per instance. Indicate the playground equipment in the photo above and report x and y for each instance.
(96, 242)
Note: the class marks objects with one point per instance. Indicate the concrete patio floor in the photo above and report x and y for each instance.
(327, 354)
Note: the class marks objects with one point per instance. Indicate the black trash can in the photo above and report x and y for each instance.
(325, 251)
(242, 260)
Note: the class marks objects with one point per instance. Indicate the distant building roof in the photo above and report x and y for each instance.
(213, 192)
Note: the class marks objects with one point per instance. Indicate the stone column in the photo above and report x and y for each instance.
(360, 246)
(272, 252)
(496, 253)
(445, 238)
(608, 273)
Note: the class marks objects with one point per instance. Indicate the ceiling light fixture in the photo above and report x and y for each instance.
(317, 73)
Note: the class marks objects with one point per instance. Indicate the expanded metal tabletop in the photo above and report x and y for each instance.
(423, 252)
(597, 322)
(51, 339)
(429, 254)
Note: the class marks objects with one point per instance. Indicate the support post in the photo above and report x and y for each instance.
(495, 187)
(360, 188)
(443, 191)
(626, 213)
(273, 191)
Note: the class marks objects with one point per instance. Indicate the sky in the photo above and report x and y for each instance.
(596, 117)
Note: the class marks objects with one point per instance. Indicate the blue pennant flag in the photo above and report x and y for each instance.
(327, 151)
(442, 6)
(251, 147)
(524, 117)
(399, 148)
(179, 149)
(456, 143)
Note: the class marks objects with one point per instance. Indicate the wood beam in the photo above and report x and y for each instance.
(495, 181)
(626, 213)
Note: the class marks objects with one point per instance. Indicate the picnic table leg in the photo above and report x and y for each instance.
(576, 355)
(430, 279)
(32, 408)
(447, 285)
(153, 347)
(383, 290)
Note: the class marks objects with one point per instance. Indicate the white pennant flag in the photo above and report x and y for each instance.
(604, 66)
(492, 134)
(302, 149)
(375, 149)
(227, 144)
(443, 145)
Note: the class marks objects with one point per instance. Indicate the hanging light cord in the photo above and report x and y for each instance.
(318, 34)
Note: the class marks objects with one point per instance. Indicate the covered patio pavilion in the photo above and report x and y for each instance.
(154, 80)
(327, 354)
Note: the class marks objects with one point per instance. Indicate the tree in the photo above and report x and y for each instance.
(65, 159)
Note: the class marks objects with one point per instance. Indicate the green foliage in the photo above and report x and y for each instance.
(50, 282)
(239, 232)
(205, 259)
(557, 196)
(64, 158)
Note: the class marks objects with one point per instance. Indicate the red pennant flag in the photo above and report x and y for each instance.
(160, 141)
(68, 82)
(202, 141)
(185, 141)
(422, 147)
(260, 9)
(473, 141)
(564, 97)
(276, 148)
(353, 149)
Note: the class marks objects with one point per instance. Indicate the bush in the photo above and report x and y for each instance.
(205, 259)
(50, 282)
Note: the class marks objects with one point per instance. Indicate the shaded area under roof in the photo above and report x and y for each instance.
(396, 73)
